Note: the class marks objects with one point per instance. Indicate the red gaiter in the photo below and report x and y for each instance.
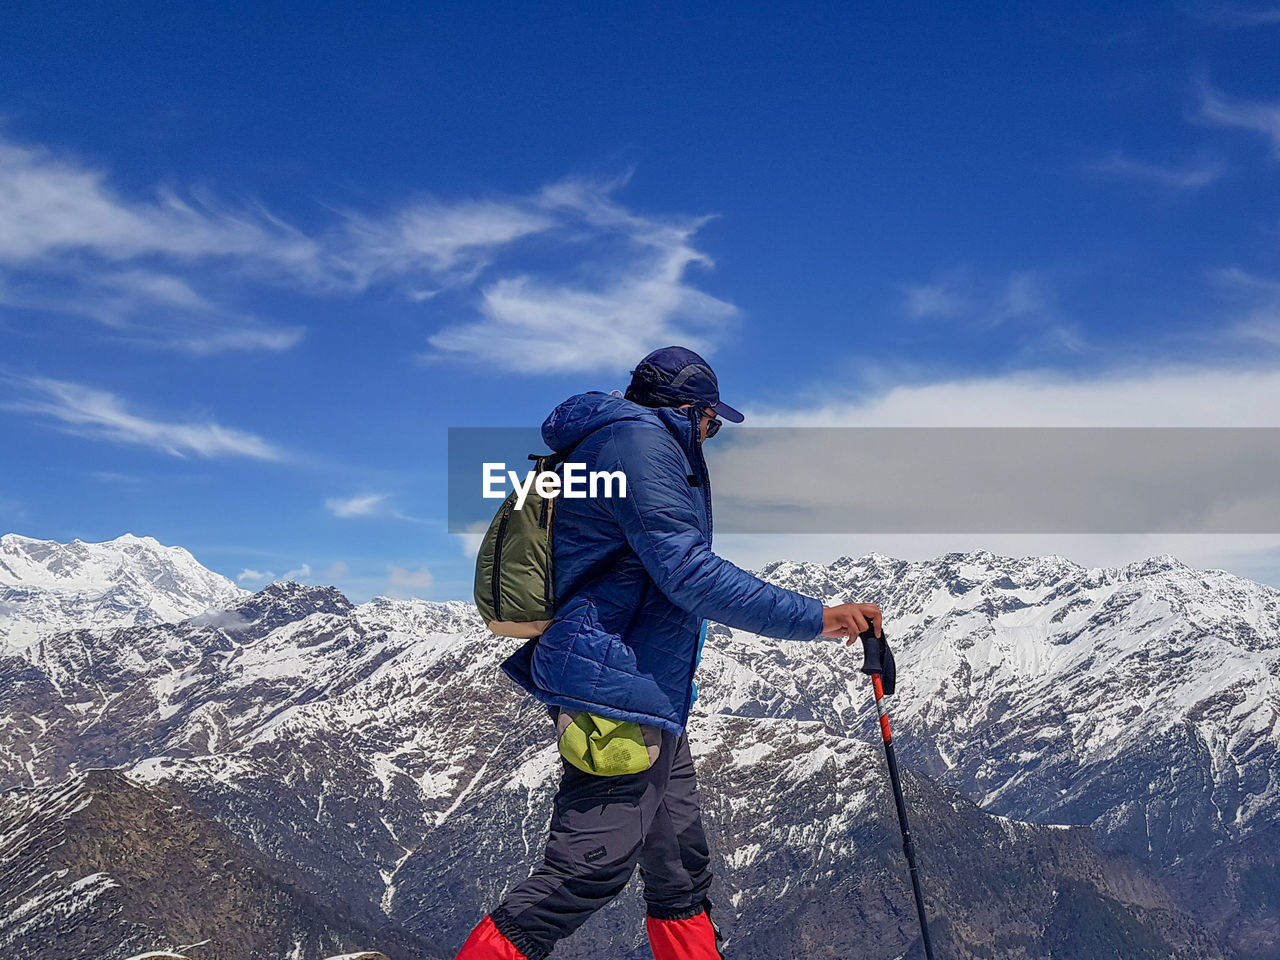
(690, 939)
(486, 943)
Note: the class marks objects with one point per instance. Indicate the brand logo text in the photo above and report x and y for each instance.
(576, 484)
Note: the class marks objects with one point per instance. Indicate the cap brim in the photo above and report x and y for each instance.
(722, 409)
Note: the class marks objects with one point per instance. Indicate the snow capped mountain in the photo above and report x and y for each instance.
(1008, 661)
(47, 587)
(376, 756)
(1143, 701)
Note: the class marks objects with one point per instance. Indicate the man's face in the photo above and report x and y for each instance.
(704, 425)
(705, 430)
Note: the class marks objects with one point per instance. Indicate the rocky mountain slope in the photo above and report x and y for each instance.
(374, 756)
(98, 866)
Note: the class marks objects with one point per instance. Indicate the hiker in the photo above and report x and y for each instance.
(635, 582)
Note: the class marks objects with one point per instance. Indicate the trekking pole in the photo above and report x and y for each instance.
(876, 658)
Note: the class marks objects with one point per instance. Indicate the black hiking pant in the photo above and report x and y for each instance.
(601, 828)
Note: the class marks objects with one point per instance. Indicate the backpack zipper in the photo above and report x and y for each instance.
(548, 582)
(496, 580)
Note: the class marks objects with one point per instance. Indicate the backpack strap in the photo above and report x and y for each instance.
(550, 461)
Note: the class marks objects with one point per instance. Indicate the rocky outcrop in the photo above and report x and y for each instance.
(100, 867)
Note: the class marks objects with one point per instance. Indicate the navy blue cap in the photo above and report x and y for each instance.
(673, 376)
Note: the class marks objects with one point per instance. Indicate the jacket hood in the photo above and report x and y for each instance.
(580, 415)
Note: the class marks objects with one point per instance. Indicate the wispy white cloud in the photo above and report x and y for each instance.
(1172, 396)
(470, 541)
(148, 308)
(420, 579)
(55, 208)
(961, 294)
(52, 206)
(1230, 15)
(448, 243)
(250, 577)
(114, 477)
(936, 299)
(1245, 282)
(220, 339)
(166, 269)
(361, 505)
(1258, 301)
(336, 571)
(637, 300)
(70, 243)
(1191, 176)
(1259, 116)
(1023, 294)
(371, 505)
(102, 415)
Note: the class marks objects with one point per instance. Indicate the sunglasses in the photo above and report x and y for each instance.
(713, 427)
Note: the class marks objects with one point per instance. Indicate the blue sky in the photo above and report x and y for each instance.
(255, 259)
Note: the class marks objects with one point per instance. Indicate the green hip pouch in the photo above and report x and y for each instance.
(604, 747)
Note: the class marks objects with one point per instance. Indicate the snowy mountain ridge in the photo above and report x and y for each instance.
(1098, 662)
(47, 587)
(377, 750)
(1142, 701)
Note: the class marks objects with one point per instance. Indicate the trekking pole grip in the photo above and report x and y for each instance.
(872, 651)
(877, 659)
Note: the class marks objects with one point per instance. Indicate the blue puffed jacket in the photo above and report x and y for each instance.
(634, 576)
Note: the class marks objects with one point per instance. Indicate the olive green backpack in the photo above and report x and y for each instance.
(514, 591)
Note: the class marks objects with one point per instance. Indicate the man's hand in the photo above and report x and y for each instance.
(850, 619)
